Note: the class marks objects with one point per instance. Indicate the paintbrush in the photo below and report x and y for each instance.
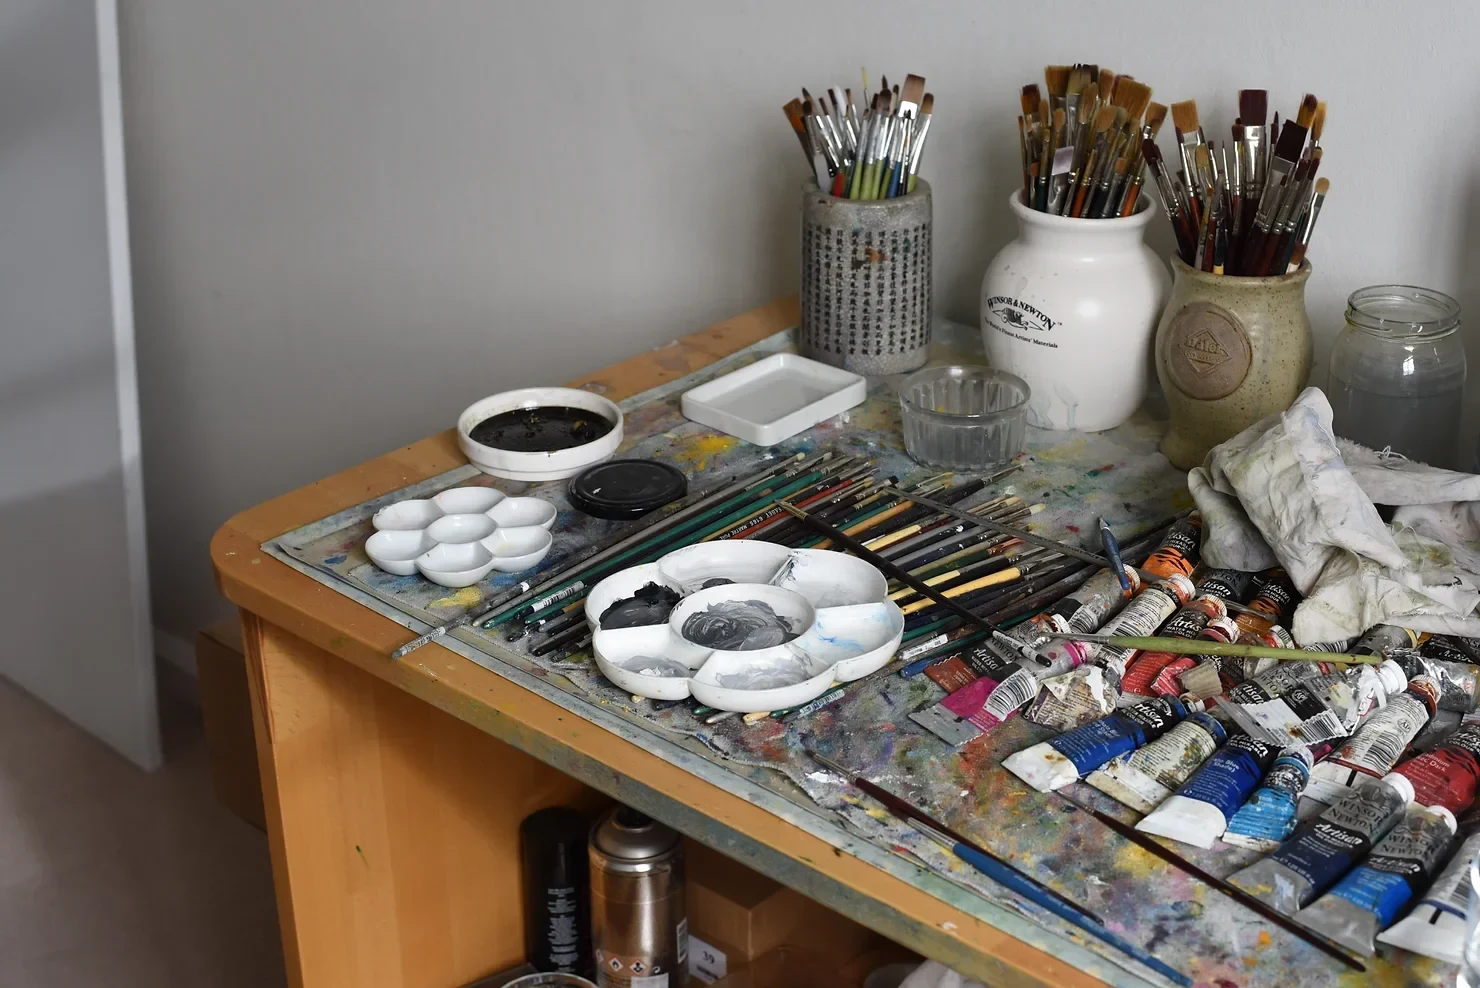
(922, 131)
(908, 812)
(1174, 859)
(1309, 224)
(1235, 650)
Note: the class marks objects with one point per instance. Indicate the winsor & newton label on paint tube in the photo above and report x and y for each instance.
(1072, 700)
(1436, 926)
(1142, 616)
(1267, 818)
(1448, 775)
(1198, 812)
(1370, 898)
(1324, 849)
(1054, 764)
(1377, 745)
(1148, 775)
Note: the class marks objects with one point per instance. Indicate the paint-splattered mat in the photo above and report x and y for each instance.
(1117, 474)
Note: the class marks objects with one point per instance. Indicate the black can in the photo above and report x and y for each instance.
(557, 891)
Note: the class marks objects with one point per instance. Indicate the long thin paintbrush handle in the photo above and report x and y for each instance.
(1010, 880)
(1200, 646)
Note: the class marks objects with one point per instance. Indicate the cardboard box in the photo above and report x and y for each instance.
(226, 707)
(743, 914)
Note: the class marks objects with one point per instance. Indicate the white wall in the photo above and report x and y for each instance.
(352, 217)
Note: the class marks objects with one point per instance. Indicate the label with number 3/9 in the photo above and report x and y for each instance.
(706, 963)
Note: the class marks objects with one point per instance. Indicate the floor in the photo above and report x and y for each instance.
(113, 876)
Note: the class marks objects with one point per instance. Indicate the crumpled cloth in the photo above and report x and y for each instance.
(1287, 492)
(933, 974)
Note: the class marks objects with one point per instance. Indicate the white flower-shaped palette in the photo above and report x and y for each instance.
(461, 535)
(758, 626)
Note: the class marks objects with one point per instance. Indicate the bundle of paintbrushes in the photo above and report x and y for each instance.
(1248, 209)
(1081, 146)
(869, 154)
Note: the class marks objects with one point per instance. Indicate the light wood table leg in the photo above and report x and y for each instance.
(393, 826)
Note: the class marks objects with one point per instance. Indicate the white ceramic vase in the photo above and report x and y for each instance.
(1071, 306)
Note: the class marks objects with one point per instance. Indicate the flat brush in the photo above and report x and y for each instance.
(908, 812)
(1235, 893)
(1322, 187)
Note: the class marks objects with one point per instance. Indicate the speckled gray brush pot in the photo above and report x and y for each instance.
(866, 280)
(1229, 351)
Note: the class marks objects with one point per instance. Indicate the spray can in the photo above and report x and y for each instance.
(639, 921)
(556, 891)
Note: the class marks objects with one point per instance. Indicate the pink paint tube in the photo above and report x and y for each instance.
(1449, 775)
(1099, 599)
(1371, 753)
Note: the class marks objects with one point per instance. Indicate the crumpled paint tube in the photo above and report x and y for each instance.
(1100, 600)
(1145, 777)
(1082, 611)
(1324, 849)
(1320, 708)
(1267, 818)
(1378, 744)
(1059, 761)
(1449, 775)
(1371, 896)
(1436, 926)
(1458, 681)
(1198, 812)
(1073, 699)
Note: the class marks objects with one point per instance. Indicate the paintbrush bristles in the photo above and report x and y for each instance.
(1030, 100)
(1307, 111)
(1253, 107)
(1156, 115)
(1104, 119)
(1056, 79)
(914, 88)
(1318, 122)
(1323, 185)
(1107, 83)
(1184, 116)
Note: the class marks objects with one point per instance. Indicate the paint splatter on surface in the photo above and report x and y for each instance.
(1195, 929)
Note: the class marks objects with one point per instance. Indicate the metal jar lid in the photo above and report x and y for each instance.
(628, 837)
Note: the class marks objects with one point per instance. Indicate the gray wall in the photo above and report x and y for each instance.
(350, 219)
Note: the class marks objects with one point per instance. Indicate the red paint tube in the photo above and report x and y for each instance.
(1187, 623)
(1220, 629)
(1449, 775)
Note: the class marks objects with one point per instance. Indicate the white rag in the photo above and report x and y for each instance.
(1287, 492)
(933, 974)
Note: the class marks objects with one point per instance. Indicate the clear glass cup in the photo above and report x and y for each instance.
(1469, 968)
(963, 418)
(1397, 374)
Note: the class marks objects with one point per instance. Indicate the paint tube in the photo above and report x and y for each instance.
(1370, 898)
(1436, 926)
(971, 679)
(1142, 616)
(1100, 599)
(1378, 744)
(1457, 681)
(1144, 778)
(1082, 611)
(1178, 552)
(1383, 638)
(1198, 812)
(1073, 699)
(1322, 850)
(1067, 758)
(1320, 708)
(1236, 671)
(1186, 623)
(1449, 775)
(1177, 677)
(1273, 602)
(1437, 731)
(1469, 646)
(1267, 818)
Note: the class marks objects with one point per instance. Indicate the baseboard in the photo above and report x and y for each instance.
(175, 668)
(178, 652)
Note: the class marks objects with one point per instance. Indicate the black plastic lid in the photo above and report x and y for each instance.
(625, 489)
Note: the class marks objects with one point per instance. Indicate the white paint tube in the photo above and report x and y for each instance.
(1324, 849)
(1377, 745)
(1436, 926)
(1060, 761)
(1143, 615)
(1321, 708)
(1376, 891)
(1146, 777)
(1198, 812)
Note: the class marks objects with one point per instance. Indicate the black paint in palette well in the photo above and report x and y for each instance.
(557, 891)
(651, 604)
(543, 429)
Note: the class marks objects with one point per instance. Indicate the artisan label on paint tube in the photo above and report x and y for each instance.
(1231, 774)
(1094, 744)
(1399, 866)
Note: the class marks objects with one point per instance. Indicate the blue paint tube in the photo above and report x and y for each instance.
(1325, 848)
(1268, 818)
(1370, 898)
(1059, 761)
(1199, 811)
(1436, 926)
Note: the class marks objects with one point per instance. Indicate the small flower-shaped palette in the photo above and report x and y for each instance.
(458, 537)
(753, 626)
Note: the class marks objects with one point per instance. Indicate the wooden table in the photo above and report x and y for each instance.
(394, 791)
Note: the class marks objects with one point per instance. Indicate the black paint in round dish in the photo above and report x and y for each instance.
(621, 490)
(543, 429)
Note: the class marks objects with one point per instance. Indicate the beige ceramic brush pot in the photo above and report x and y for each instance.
(1229, 351)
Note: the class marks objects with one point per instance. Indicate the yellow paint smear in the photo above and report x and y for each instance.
(703, 449)
(466, 597)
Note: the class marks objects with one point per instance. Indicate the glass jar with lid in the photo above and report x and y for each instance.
(1398, 373)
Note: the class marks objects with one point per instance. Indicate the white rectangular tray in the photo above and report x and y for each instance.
(774, 399)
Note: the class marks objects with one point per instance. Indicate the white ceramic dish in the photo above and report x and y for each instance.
(774, 399)
(538, 466)
(458, 537)
(848, 626)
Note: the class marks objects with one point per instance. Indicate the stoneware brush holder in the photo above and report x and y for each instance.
(1070, 306)
(866, 280)
(1229, 351)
